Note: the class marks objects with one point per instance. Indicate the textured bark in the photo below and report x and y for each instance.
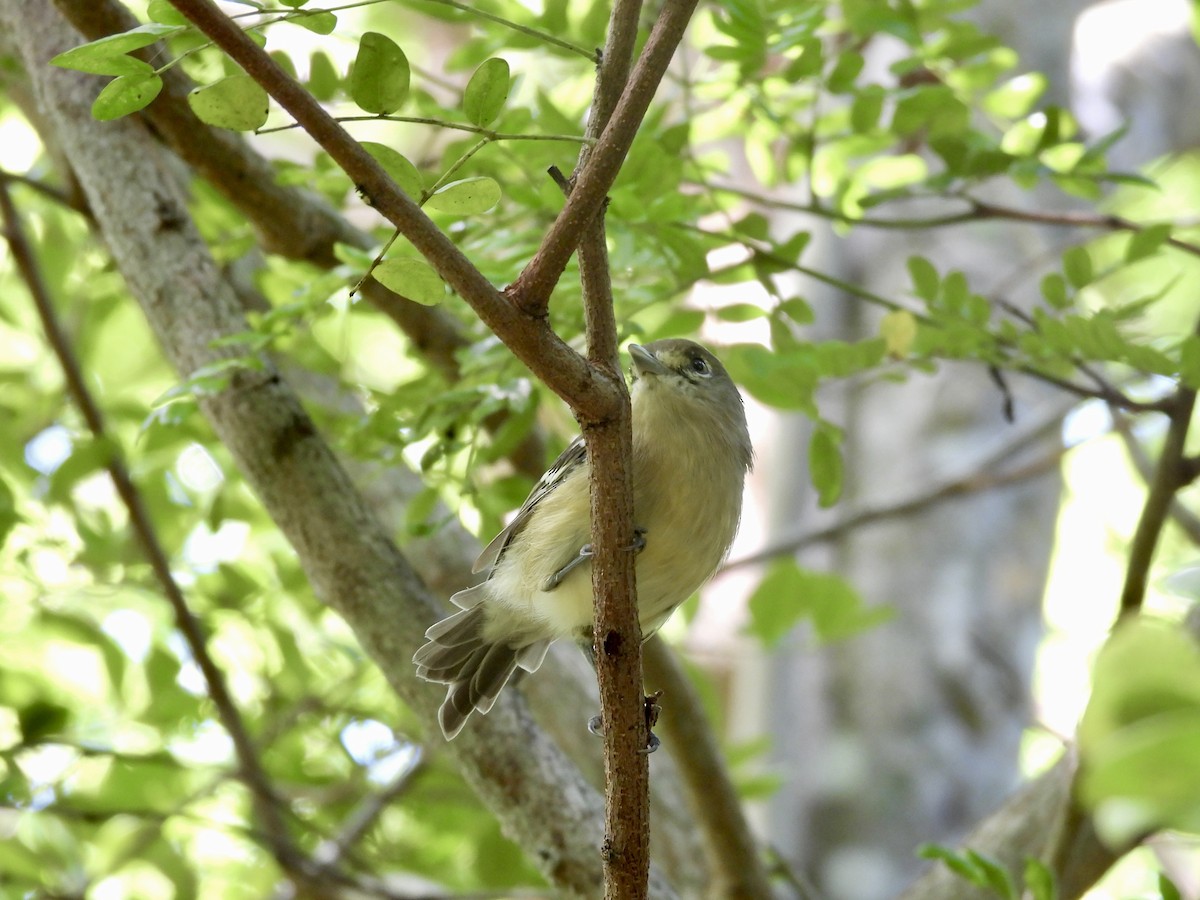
(133, 190)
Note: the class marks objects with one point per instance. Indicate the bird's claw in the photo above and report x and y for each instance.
(651, 710)
(639, 539)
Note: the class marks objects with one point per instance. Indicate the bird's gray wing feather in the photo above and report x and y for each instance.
(568, 461)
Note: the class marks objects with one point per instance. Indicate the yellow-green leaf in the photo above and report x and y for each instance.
(323, 80)
(403, 172)
(237, 102)
(411, 278)
(100, 57)
(467, 197)
(318, 21)
(487, 92)
(898, 330)
(825, 464)
(124, 95)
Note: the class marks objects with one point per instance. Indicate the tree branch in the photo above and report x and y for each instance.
(978, 478)
(267, 803)
(617, 636)
(131, 186)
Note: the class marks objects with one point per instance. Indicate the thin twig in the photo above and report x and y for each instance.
(360, 819)
(976, 211)
(978, 479)
(449, 126)
(267, 803)
(543, 36)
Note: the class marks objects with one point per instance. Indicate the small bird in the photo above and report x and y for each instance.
(691, 452)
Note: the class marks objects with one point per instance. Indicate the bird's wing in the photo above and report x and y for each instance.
(568, 461)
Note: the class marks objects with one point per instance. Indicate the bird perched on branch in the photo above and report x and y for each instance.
(691, 452)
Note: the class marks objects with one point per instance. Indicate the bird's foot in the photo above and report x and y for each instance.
(585, 553)
(639, 539)
(651, 710)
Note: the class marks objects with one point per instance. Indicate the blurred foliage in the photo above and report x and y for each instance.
(112, 768)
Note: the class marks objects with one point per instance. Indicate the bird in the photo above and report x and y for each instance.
(691, 453)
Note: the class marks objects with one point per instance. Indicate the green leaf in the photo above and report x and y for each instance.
(1167, 888)
(789, 594)
(487, 92)
(403, 172)
(1054, 289)
(106, 55)
(411, 278)
(42, 719)
(825, 464)
(785, 380)
(89, 456)
(379, 79)
(866, 108)
(124, 95)
(1140, 734)
(798, 310)
(467, 197)
(925, 278)
(419, 509)
(318, 21)
(1015, 98)
(323, 80)
(1189, 361)
(1146, 242)
(1077, 266)
(740, 312)
(1040, 881)
(237, 102)
(845, 71)
(958, 863)
(163, 12)
(996, 876)
(9, 517)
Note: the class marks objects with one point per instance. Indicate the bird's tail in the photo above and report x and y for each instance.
(476, 670)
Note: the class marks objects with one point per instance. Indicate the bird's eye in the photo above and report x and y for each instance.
(700, 365)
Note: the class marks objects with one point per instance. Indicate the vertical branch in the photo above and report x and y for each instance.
(618, 637)
(250, 770)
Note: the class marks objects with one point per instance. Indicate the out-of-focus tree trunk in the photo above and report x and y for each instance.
(910, 732)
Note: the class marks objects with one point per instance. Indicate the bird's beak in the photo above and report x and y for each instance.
(645, 362)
